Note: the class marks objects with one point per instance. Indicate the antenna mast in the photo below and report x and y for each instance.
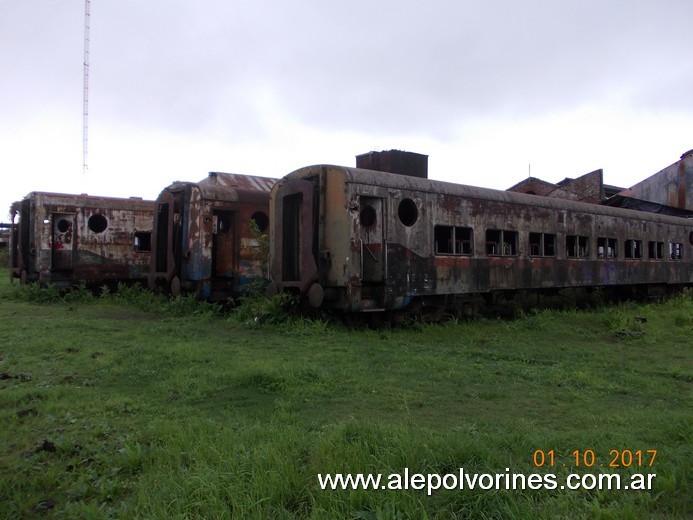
(85, 98)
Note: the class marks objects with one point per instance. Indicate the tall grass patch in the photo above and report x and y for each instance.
(118, 406)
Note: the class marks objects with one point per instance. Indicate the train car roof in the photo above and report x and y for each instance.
(84, 200)
(228, 186)
(406, 182)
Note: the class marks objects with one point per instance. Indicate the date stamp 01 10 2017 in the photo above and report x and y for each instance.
(588, 459)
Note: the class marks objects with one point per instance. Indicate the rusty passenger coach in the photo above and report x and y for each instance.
(359, 240)
(203, 243)
(65, 240)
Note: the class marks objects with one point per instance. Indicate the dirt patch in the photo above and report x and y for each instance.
(46, 446)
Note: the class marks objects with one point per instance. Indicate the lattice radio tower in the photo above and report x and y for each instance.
(85, 96)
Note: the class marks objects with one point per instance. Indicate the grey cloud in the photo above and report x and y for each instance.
(384, 66)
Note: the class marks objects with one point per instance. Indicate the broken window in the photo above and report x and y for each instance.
(501, 242)
(576, 246)
(633, 248)
(655, 250)
(408, 212)
(542, 244)
(261, 220)
(451, 240)
(606, 248)
(97, 223)
(368, 216)
(143, 241)
(63, 225)
(675, 250)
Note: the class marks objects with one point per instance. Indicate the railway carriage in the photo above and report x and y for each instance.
(65, 240)
(358, 240)
(203, 243)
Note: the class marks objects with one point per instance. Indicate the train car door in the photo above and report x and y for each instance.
(223, 244)
(161, 239)
(62, 241)
(14, 249)
(372, 234)
(26, 260)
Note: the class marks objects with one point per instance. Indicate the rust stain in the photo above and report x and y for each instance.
(373, 255)
(202, 235)
(66, 239)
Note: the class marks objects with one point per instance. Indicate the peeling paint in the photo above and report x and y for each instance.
(369, 239)
(64, 239)
(202, 238)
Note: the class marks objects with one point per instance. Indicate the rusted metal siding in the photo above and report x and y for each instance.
(372, 237)
(67, 239)
(203, 242)
(586, 188)
(672, 186)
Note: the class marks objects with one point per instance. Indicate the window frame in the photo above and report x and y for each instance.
(459, 246)
(142, 241)
(675, 251)
(543, 245)
(632, 249)
(607, 248)
(581, 247)
(655, 250)
(512, 241)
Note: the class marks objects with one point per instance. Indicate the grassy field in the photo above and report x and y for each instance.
(127, 406)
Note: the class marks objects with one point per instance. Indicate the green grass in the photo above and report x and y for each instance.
(128, 405)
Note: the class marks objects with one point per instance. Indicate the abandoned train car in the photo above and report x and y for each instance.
(5, 231)
(66, 240)
(358, 240)
(203, 242)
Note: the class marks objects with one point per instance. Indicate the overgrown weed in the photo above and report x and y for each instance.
(255, 309)
(188, 305)
(132, 294)
(626, 319)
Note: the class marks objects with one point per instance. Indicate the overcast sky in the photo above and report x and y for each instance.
(178, 88)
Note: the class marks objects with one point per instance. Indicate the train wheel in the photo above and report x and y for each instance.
(315, 295)
(175, 286)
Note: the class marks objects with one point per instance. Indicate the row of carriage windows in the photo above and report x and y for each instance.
(98, 223)
(142, 242)
(457, 240)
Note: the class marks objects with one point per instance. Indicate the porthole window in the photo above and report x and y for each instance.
(97, 223)
(63, 225)
(261, 220)
(408, 212)
(367, 216)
